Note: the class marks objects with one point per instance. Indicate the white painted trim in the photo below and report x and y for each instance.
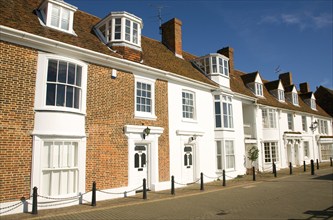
(189, 133)
(139, 129)
(46, 44)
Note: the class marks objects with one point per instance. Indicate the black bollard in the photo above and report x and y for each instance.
(144, 196)
(93, 198)
(34, 201)
(312, 167)
(274, 170)
(201, 181)
(317, 164)
(253, 174)
(290, 168)
(331, 161)
(223, 176)
(172, 185)
(304, 166)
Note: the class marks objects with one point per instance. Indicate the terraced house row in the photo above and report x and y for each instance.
(86, 99)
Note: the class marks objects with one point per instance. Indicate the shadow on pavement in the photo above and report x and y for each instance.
(326, 177)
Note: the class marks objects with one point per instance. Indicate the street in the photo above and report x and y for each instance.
(290, 197)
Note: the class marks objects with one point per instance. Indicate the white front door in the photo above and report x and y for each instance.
(140, 164)
(188, 164)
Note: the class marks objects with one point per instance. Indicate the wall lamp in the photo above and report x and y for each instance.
(146, 132)
(314, 126)
(193, 138)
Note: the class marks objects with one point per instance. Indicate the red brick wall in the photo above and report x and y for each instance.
(110, 106)
(17, 89)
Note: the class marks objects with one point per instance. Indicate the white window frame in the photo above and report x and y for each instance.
(214, 64)
(41, 84)
(281, 95)
(258, 89)
(290, 121)
(313, 104)
(322, 126)
(226, 117)
(268, 118)
(294, 98)
(47, 18)
(304, 123)
(141, 114)
(306, 149)
(62, 161)
(38, 166)
(107, 29)
(228, 114)
(187, 105)
(218, 115)
(326, 151)
(271, 152)
(223, 155)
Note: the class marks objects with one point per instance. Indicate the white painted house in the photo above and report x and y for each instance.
(92, 100)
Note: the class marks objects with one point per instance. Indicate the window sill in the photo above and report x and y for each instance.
(188, 120)
(225, 129)
(146, 117)
(60, 109)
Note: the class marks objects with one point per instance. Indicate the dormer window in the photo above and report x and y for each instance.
(258, 89)
(57, 14)
(213, 64)
(313, 104)
(295, 98)
(281, 95)
(120, 29)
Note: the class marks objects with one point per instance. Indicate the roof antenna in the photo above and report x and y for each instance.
(159, 15)
(277, 69)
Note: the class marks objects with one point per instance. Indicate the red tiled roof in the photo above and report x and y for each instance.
(21, 15)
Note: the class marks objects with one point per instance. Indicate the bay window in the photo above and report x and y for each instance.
(268, 118)
(225, 116)
(59, 168)
(119, 28)
(225, 155)
(63, 84)
(271, 152)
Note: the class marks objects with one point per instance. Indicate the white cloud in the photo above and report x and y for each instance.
(301, 20)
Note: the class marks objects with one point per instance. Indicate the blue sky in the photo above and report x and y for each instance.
(266, 35)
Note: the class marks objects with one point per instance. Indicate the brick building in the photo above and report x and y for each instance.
(85, 99)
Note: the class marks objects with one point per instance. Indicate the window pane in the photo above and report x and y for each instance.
(78, 75)
(50, 94)
(65, 19)
(60, 95)
(77, 98)
(62, 75)
(55, 16)
(71, 74)
(69, 96)
(52, 71)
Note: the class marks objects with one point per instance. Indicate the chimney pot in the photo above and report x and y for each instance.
(172, 36)
(304, 87)
(286, 78)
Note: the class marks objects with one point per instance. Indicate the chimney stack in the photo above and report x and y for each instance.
(286, 78)
(172, 36)
(228, 52)
(304, 87)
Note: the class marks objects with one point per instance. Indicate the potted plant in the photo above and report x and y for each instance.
(253, 155)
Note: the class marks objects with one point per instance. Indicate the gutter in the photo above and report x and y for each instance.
(45, 44)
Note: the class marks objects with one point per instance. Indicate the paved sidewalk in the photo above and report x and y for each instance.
(120, 207)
